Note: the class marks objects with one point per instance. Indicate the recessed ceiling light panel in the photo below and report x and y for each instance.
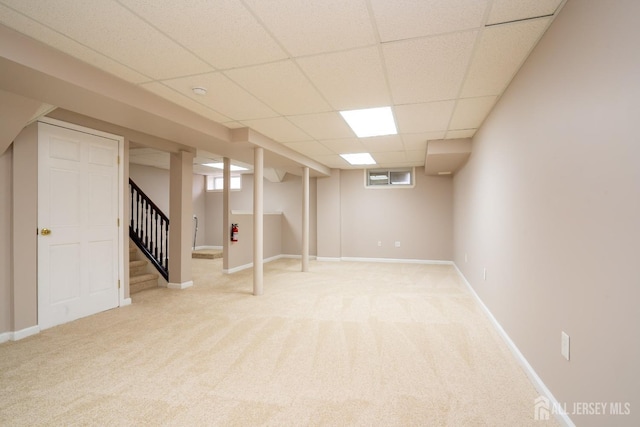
(371, 121)
(357, 159)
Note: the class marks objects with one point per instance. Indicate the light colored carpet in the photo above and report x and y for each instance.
(344, 344)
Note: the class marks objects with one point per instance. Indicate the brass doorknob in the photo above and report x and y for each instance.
(45, 232)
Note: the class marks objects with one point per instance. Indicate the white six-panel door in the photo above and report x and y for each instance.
(78, 244)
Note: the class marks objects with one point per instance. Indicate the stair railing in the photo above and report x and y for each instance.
(149, 229)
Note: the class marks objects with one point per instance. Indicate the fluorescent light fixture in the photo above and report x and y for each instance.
(371, 121)
(359, 159)
(232, 168)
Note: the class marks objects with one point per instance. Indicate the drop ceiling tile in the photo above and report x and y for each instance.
(501, 51)
(430, 69)
(509, 10)
(184, 101)
(223, 95)
(463, 133)
(278, 128)
(111, 29)
(345, 146)
(309, 148)
(422, 118)
(349, 80)
(282, 86)
(323, 125)
(418, 141)
(310, 27)
(389, 157)
(379, 144)
(416, 155)
(333, 161)
(64, 44)
(471, 112)
(208, 28)
(419, 18)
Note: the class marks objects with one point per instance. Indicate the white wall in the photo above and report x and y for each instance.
(549, 204)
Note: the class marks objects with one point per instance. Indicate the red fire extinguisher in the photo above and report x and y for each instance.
(234, 232)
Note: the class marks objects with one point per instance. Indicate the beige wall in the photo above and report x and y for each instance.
(155, 183)
(420, 218)
(199, 206)
(329, 222)
(5, 239)
(549, 203)
(25, 223)
(241, 252)
(285, 197)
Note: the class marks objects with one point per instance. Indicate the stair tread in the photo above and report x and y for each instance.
(137, 263)
(142, 278)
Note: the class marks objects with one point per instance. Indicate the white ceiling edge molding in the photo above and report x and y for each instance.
(446, 156)
(274, 175)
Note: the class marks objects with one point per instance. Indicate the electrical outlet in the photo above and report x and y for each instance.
(564, 348)
(397, 244)
(379, 242)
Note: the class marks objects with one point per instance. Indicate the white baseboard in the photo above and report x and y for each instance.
(125, 302)
(563, 418)
(250, 265)
(397, 260)
(293, 256)
(18, 335)
(182, 285)
(326, 258)
(24, 333)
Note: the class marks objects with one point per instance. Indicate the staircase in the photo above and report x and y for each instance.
(139, 278)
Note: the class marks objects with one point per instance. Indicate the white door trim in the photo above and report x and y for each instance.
(121, 299)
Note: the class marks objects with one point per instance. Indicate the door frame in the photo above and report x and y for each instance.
(122, 301)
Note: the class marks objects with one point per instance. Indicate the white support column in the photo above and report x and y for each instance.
(305, 219)
(258, 220)
(226, 210)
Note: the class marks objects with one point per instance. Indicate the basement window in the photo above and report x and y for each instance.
(389, 178)
(216, 183)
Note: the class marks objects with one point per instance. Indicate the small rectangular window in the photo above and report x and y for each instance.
(216, 183)
(400, 177)
(378, 178)
(388, 178)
